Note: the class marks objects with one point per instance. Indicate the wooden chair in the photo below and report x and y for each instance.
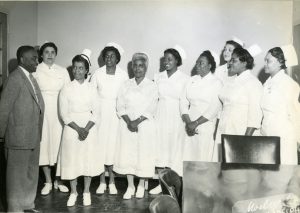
(171, 184)
(250, 149)
(164, 204)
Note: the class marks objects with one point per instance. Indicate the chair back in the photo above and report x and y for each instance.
(171, 184)
(164, 204)
(250, 149)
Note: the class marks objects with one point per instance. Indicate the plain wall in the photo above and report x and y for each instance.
(22, 27)
(296, 13)
(152, 27)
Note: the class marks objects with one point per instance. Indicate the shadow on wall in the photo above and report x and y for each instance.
(12, 65)
(296, 77)
(194, 71)
(222, 61)
(69, 68)
(296, 73)
(262, 76)
(161, 64)
(100, 60)
(130, 70)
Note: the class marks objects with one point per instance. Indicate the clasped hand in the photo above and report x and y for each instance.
(190, 128)
(133, 125)
(82, 133)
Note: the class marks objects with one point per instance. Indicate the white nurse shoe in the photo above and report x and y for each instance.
(101, 188)
(112, 189)
(61, 187)
(72, 199)
(129, 193)
(87, 199)
(46, 189)
(156, 190)
(140, 192)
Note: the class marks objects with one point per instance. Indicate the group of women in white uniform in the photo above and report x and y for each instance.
(131, 126)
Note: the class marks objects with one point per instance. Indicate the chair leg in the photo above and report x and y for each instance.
(146, 184)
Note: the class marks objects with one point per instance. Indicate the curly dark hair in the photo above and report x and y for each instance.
(111, 48)
(176, 54)
(43, 47)
(79, 58)
(244, 56)
(21, 50)
(277, 53)
(210, 58)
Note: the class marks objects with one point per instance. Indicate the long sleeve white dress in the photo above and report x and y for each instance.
(281, 114)
(170, 126)
(201, 98)
(108, 87)
(241, 106)
(135, 152)
(51, 80)
(78, 103)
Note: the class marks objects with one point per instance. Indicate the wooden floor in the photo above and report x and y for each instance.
(56, 201)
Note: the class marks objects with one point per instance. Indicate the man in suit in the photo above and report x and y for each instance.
(21, 120)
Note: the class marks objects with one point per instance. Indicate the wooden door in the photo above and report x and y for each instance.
(296, 43)
(3, 48)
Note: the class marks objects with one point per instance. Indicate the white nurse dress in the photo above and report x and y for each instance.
(108, 87)
(51, 80)
(135, 153)
(170, 126)
(201, 98)
(281, 114)
(241, 106)
(78, 103)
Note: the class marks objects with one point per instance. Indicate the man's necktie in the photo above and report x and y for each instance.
(36, 87)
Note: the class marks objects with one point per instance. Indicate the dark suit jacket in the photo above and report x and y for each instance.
(21, 115)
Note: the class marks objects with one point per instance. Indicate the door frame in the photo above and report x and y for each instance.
(3, 42)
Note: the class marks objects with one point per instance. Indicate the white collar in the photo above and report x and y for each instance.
(243, 75)
(207, 76)
(25, 71)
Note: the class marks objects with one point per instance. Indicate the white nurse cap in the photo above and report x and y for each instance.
(117, 46)
(290, 55)
(181, 51)
(254, 50)
(237, 40)
(86, 53)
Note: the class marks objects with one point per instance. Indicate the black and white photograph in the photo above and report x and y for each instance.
(150, 106)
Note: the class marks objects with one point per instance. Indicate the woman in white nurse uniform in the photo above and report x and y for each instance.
(136, 105)
(200, 106)
(170, 126)
(281, 109)
(108, 80)
(241, 113)
(51, 79)
(80, 147)
(222, 71)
